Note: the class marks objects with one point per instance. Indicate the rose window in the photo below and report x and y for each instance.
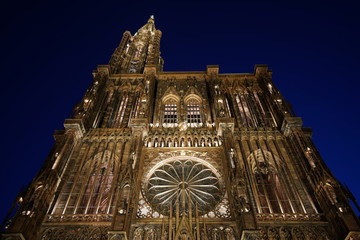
(181, 183)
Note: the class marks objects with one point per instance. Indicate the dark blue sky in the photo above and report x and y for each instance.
(48, 51)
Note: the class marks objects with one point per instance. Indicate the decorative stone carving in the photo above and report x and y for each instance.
(78, 218)
(273, 233)
(149, 233)
(298, 233)
(253, 235)
(215, 234)
(285, 233)
(75, 233)
(117, 235)
(294, 232)
(288, 217)
(229, 235)
(240, 196)
(138, 233)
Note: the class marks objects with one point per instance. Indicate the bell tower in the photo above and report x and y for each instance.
(199, 155)
(134, 52)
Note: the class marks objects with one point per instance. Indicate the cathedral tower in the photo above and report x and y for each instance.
(154, 155)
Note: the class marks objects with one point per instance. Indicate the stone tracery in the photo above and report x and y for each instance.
(168, 184)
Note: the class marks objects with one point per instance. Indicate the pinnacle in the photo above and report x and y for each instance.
(151, 19)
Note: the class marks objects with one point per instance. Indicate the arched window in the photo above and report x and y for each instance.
(271, 196)
(170, 111)
(193, 111)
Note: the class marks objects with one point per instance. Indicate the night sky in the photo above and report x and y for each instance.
(48, 51)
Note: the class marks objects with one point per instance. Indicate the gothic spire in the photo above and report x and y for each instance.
(149, 26)
(134, 52)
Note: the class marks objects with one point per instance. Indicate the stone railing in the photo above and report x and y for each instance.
(79, 218)
(288, 217)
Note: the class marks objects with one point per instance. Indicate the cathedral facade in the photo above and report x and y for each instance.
(155, 155)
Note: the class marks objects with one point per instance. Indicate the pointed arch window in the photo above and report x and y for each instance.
(193, 111)
(170, 112)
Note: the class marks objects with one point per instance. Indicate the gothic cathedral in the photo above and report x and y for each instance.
(155, 155)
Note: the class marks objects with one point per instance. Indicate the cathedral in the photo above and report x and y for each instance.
(154, 155)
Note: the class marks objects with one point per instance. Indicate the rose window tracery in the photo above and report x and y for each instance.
(181, 182)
